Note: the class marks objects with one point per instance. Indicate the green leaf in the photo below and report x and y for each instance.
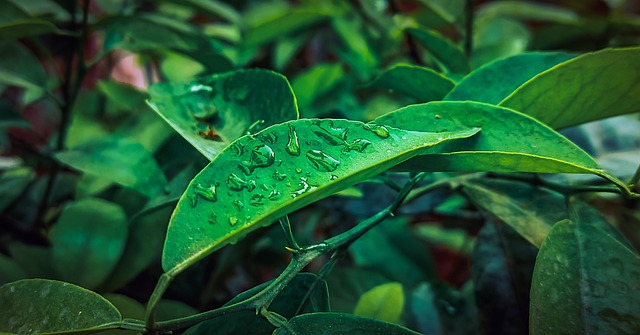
(119, 160)
(274, 27)
(498, 38)
(339, 323)
(262, 177)
(39, 306)
(347, 284)
(212, 112)
(384, 303)
(527, 10)
(137, 33)
(88, 240)
(13, 183)
(286, 304)
(19, 67)
(214, 8)
(10, 270)
(493, 82)
(122, 95)
(15, 23)
(420, 83)
(584, 282)
(319, 80)
(445, 52)
(35, 260)
(590, 87)
(509, 142)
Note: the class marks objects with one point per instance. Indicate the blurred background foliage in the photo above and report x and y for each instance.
(90, 174)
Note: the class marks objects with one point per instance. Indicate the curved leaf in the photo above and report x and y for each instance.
(420, 83)
(584, 282)
(39, 306)
(384, 302)
(213, 111)
(443, 50)
(283, 23)
(88, 240)
(15, 23)
(262, 177)
(339, 323)
(20, 67)
(509, 141)
(590, 87)
(493, 82)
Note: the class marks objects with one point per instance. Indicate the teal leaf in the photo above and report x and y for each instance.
(119, 160)
(509, 142)
(493, 82)
(13, 183)
(279, 170)
(443, 50)
(384, 302)
(339, 323)
(419, 83)
(39, 306)
(88, 241)
(15, 23)
(584, 282)
(589, 87)
(212, 112)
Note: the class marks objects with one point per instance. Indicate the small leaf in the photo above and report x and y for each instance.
(39, 306)
(509, 141)
(88, 240)
(19, 67)
(13, 183)
(584, 282)
(15, 23)
(339, 323)
(347, 284)
(274, 27)
(312, 84)
(277, 171)
(384, 303)
(527, 10)
(442, 49)
(212, 112)
(420, 83)
(119, 160)
(589, 87)
(493, 82)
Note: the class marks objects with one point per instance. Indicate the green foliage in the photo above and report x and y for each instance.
(434, 166)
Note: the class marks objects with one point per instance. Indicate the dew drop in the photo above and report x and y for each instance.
(333, 177)
(293, 147)
(199, 103)
(238, 204)
(261, 156)
(381, 131)
(298, 170)
(274, 195)
(304, 188)
(213, 218)
(257, 200)
(279, 176)
(233, 220)
(333, 136)
(237, 149)
(358, 145)
(255, 127)
(270, 138)
(204, 192)
(237, 184)
(321, 161)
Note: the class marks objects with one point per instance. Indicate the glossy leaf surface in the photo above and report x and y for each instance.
(420, 83)
(39, 306)
(442, 49)
(119, 160)
(584, 282)
(509, 141)
(493, 82)
(590, 87)
(88, 240)
(384, 302)
(212, 112)
(262, 177)
(339, 323)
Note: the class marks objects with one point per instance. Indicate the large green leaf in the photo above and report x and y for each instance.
(88, 240)
(384, 302)
(212, 112)
(442, 49)
(119, 160)
(417, 82)
(590, 87)
(39, 306)
(339, 323)
(264, 176)
(20, 67)
(15, 23)
(294, 296)
(493, 82)
(509, 141)
(585, 282)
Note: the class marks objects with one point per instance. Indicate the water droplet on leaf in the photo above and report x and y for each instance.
(261, 156)
(358, 145)
(279, 176)
(201, 191)
(238, 204)
(293, 147)
(381, 131)
(321, 161)
(233, 220)
(256, 200)
(237, 184)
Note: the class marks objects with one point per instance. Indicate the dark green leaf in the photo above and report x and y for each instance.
(273, 27)
(356, 50)
(285, 304)
(442, 49)
(384, 302)
(584, 282)
(10, 270)
(494, 81)
(214, 8)
(119, 160)
(19, 67)
(137, 33)
(509, 141)
(15, 23)
(88, 240)
(498, 38)
(12, 183)
(39, 306)
(339, 323)
(590, 87)
(214, 111)
(277, 171)
(122, 95)
(420, 83)
(35, 260)
(347, 284)
(526, 10)
(172, 309)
